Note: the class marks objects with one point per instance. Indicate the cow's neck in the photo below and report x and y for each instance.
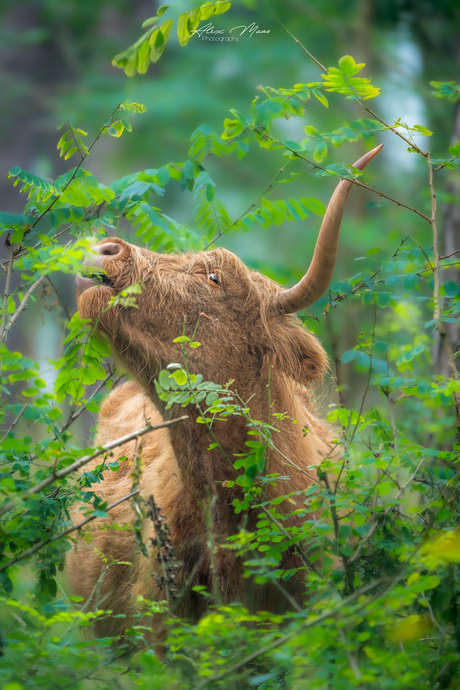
(205, 470)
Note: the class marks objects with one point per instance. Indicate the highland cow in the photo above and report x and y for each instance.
(248, 334)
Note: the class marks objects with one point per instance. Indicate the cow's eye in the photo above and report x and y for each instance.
(214, 277)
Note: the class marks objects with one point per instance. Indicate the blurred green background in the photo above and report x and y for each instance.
(55, 64)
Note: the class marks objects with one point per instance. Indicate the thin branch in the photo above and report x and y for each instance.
(304, 49)
(447, 256)
(84, 461)
(371, 112)
(411, 143)
(350, 179)
(290, 462)
(82, 159)
(342, 296)
(350, 656)
(61, 535)
(443, 165)
(24, 302)
(330, 613)
(6, 294)
(253, 205)
(389, 198)
(103, 129)
(385, 512)
(62, 301)
(299, 549)
(83, 408)
(436, 290)
(11, 427)
(348, 570)
(211, 544)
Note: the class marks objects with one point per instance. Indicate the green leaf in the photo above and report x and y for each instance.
(368, 297)
(446, 89)
(183, 32)
(321, 98)
(349, 67)
(348, 356)
(320, 152)
(179, 376)
(221, 6)
(450, 288)
(410, 280)
(151, 21)
(164, 379)
(33, 184)
(7, 584)
(143, 57)
(158, 41)
(15, 219)
(342, 80)
(383, 488)
(383, 299)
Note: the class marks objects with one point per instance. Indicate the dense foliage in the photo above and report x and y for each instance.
(380, 541)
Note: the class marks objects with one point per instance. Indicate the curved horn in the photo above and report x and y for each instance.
(316, 280)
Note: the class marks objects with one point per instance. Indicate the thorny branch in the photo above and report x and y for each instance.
(165, 551)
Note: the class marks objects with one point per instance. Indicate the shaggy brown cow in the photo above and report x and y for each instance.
(246, 329)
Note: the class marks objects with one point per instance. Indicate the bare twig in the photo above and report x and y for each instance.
(60, 474)
(368, 382)
(304, 49)
(447, 256)
(433, 618)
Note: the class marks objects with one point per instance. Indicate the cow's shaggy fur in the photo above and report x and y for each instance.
(244, 336)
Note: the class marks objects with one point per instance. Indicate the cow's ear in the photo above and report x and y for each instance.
(295, 351)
